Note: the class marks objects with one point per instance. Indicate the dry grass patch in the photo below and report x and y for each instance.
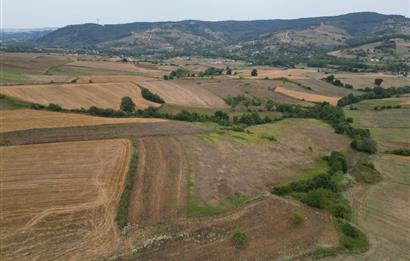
(13, 120)
(59, 200)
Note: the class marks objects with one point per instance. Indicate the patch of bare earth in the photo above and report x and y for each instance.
(13, 120)
(59, 201)
(75, 96)
(159, 193)
(271, 234)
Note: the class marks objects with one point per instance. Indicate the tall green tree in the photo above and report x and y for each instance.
(127, 104)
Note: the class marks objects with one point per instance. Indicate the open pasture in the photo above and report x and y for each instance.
(59, 200)
(75, 96)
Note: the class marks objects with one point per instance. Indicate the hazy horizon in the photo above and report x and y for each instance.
(47, 13)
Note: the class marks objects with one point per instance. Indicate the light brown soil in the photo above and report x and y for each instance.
(119, 66)
(267, 223)
(279, 73)
(13, 120)
(186, 95)
(59, 200)
(307, 96)
(112, 79)
(159, 193)
(31, 62)
(75, 96)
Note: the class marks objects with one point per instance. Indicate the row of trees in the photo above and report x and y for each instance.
(375, 93)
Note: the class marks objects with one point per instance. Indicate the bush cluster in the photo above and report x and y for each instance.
(148, 95)
(239, 239)
(375, 93)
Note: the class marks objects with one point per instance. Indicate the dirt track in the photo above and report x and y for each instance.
(51, 211)
(159, 194)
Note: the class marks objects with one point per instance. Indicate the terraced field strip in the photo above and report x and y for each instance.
(75, 96)
(159, 193)
(307, 96)
(99, 132)
(185, 95)
(59, 200)
(13, 120)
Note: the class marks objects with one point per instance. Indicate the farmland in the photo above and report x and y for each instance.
(76, 96)
(191, 172)
(75, 205)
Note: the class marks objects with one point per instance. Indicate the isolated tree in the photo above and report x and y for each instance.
(378, 81)
(228, 71)
(269, 105)
(254, 72)
(127, 104)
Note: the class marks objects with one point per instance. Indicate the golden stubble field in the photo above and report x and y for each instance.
(14, 120)
(59, 200)
(75, 96)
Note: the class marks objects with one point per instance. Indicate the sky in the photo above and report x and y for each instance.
(58, 13)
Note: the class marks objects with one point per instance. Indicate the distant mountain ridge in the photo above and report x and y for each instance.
(193, 36)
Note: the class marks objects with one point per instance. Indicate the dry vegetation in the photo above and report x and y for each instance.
(307, 96)
(75, 96)
(13, 120)
(59, 200)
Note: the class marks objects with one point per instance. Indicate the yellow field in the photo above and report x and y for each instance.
(307, 96)
(184, 94)
(75, 96)
(13, 120)
(59, 200)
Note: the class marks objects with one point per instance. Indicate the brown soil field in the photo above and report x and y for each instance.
(31, 62)
(13, 120)
(223, 165)
(75, 96)
(185, 95)
(382, 211)
(271, 234)
(112, 78)
(99, 132)
(59, 200)
(119, 66)
(159, 193)
(307, 96)
(363, 80)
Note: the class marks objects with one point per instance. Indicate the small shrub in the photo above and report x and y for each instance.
(297, 217)
(239, 239)
(54, 107)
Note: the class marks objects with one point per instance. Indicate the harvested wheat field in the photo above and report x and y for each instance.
(111, 78)
(14, 120)
(288, 73)
(119, 66)
(59, 200)
(75, 96)
(159, 193)
(184, 95)
(307, 96)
